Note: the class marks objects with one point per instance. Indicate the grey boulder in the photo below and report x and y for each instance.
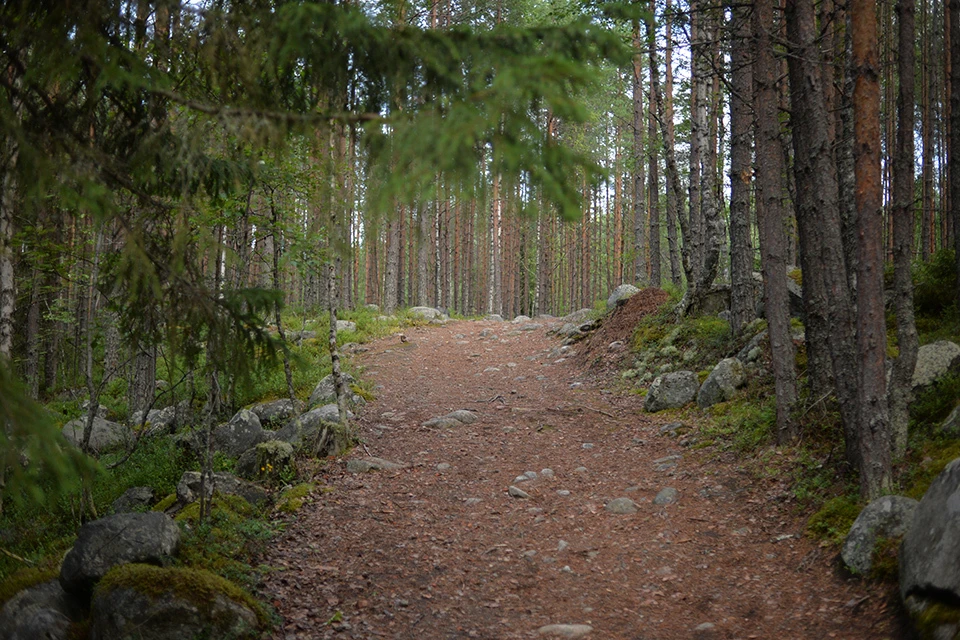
(307, 428)
(105, 435)
(722, 383)
(456, 418)
(426, 313)
(935, 360)
(134, 499)
(188, 489)
(928, 556)
(241, 433)
(346, 325)
(363, 465)
(671, 391)
(156, 613)
(620, 294)
(886, 517)
(159, 421)
(148, 538)
(42, 611)
(326, 393)
(277, 412)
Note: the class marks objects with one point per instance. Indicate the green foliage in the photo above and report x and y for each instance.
(166, 503)
(931, 281)
(935, 615)
(227, 542)
(934, 403)
(744, 424)
(156, 463)
(39, 464)
(292, 498)
(885, 565)
(709, 332)
(928, 461)
(833, 521)
(194, 585)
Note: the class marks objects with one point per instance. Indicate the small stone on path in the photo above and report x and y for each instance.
(516, 492)
(666, 496)
(567, 631)
(547, 473)
(580, 470)
(362, 465)
(472, 501)
(587, 445)
(563, 492)
(443, 466)
(621, 506)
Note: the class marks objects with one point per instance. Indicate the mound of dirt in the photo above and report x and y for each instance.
(618, 327)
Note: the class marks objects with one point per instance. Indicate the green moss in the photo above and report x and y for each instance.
(934, 616)
(292, 499)
(934, 457)
(166, 503)
(195, 585)
(24, 579)
(229, 507)
(797, 276)
(833, 521)
(363, 393)
(885, 564)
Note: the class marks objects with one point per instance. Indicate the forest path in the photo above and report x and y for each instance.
(436, 552)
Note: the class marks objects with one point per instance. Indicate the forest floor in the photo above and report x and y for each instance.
(439, 549)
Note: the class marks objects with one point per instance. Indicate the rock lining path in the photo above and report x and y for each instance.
(439, 549)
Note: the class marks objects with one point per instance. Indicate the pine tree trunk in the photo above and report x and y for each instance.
(742, 308)
(653, 157)
(391, 271)
(871, 328)
(8, 203)
(639, 179)
(769, 169)
(903, 225)
(953, 144)
(674, 204)
(827, 297)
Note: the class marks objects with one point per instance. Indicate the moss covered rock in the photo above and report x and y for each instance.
(143, 602)
(269, 462)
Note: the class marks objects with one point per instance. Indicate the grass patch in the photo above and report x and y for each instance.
(928, 462)
(833, 521)
(292, 499)
(24, 579)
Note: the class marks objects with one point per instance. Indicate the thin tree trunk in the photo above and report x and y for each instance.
(275, 231)
(769, 169)
(653, 152)
(871, 329)
(741, 252)
(953, 145)
(903, 225)
(639, 180)
(674, 204)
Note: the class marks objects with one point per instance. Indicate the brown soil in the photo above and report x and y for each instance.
(617, 329)
(444, 552)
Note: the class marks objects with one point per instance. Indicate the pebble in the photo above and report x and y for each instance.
(621, 506)
(566, 569)
(587, 445)
(705, 631)
(667, 459)
(521, 479)
(576, 385)
(562, 545)
(667, 495)
(531, 475)
(517, 492)
(563, 492)
(546, 473)
(580, 470)
(443, 466)
(472, 501)
(566, 631)
(490, 370)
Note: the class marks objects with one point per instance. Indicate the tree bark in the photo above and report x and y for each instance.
(639, 180)
(741, 252)
(827, 298)
(674, 205)
(768, 170)
(871, 329)
(653, 154)
(903, 225)
(953, 145)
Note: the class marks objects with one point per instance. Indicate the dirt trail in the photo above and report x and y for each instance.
(437, 551)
